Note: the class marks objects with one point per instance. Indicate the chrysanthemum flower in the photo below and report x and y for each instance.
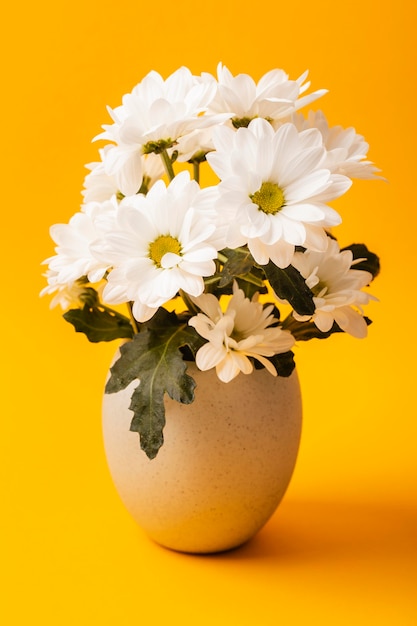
(337, 289)
(273, 98)
(274, 189)
(162, 243)
(66, 295)
(346, 150)
(244, 330)
(74, 258)
(155, 115)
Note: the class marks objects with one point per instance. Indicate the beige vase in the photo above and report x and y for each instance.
(225, 464)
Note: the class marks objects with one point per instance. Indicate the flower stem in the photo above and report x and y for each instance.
(132, 318)
(167, 164)
(188, 303)
(196, 171)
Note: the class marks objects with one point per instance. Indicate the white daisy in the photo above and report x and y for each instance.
(100, 186)
(162, 243)
(337, 289)
(155, 115)
(274, 189)
(346, 150)
(244, 330)
(274, 97)
(74, 258)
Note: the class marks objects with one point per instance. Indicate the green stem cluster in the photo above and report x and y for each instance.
(166, 160)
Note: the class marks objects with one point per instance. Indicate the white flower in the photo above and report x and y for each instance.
(156, 112)
(274, 189)
(346, 150)
(66, 295)
(100, 186)
(74, 258)
(244, 330)
(274, 97)
(336, 288)
(195, 144)
(162, 243)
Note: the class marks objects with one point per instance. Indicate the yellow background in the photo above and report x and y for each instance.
(342, 547)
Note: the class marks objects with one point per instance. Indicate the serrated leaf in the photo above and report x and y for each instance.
(99, 324)
(290, 285)
(370, 264)
(154, 358)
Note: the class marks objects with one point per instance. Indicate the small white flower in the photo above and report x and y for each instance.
(337, 289)
(74, 258)
(162, 243)
(273, 98)
(195, 144)
(244, 330)
(157, 111)
(66, 295)
(274, 189)
(346, 150)
(100, 186)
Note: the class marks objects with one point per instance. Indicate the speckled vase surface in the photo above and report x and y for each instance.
(225, 464)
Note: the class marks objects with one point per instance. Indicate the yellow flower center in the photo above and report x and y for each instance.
(269, 198)
(242, 122)
(161, 246)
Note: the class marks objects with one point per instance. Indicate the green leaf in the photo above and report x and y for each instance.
(239, 262)
(284, 363)
(99, 324)
(290, 285)
(370, 264)
(154, 358)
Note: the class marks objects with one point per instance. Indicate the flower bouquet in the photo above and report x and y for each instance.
(185, 271)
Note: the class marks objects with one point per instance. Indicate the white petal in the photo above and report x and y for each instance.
(282, 253)
(307, 186)
(323, 321)
(303, 212)
(300, 165)
(208, 356)
(316, 238)
(142, 312)
(227, 369)
(351, 322)
(170, 260)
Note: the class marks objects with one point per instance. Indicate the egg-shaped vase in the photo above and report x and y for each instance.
(226, 461)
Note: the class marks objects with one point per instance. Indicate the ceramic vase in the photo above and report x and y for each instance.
(225, 464)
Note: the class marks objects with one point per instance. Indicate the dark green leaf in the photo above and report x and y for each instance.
(304, 331)
(154, 358)
(252, 283)
(370, 264)
(284, 363)
(290, 285)
(239, 262)
(99, 324)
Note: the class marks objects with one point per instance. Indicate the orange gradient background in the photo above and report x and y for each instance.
(341, 548)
